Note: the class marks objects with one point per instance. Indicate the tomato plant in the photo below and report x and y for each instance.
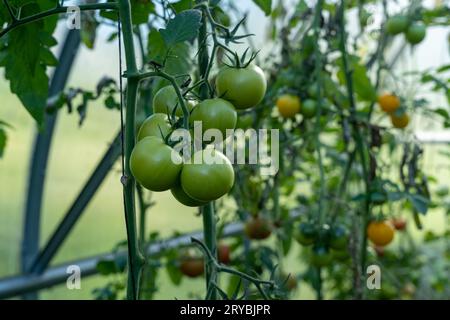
(327, 186)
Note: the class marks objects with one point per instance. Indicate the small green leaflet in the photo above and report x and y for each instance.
(140, 11)
(183, 27)
(176, 61)
(264, 5)
(28, 78)
(420, 203)
(182, 5)
(361, 82)
(3, 139)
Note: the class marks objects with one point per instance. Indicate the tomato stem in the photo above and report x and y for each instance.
(135, 258)
(358, 139)
(209, 219)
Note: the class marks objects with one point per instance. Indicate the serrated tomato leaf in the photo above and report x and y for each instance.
(183, 27)
(264, 5)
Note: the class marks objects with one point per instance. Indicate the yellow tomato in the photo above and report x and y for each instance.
(389, 102)
(381, 233)
(288, 105)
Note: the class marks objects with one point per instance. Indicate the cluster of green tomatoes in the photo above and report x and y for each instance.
(193, 181)
(328, 242)
(413, 30)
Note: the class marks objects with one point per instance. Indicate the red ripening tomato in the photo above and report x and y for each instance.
(399, 223)
(192, 266)
(258, 228)
(224, 253)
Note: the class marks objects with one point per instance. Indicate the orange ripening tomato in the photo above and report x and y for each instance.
(401, 121)
(381, 233)
(288, 105)
(388, 102)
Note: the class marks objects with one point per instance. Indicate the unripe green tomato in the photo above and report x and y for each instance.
(243, 87)
(397, 24)
(341, 255)
(155, 165)
(321, 256)
(166, 100)
(244, 121)
(214, 114)
(179, 194)
(206, 180)
(156, 125)
(312, 90)
(308, 108)
(306, 234)
(338, 237)
(416, 33)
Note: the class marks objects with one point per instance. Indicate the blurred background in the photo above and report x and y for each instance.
(76, 150)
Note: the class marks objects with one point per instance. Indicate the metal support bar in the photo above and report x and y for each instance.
(60, 234)
(38, 164)
(17, 285)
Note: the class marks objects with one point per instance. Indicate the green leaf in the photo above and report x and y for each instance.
(361, 82)
(264, 5)
(420, 203)
(174, 273)
(140, 11)
(3, 140)
(177, 62)
(88, 29)
(183, 27)
(28, 78)
(106, 267)
(47, 57)
(442, 112)
(182, 5)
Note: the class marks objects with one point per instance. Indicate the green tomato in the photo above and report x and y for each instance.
(341, 255)
(155, 165)
(306, 233)
(183, 198)
(338, 237)
(156, 125)
(312, 90)
(321, 256)
(208, 176)
(308, 108)
(397, 24)
(244, 121)
(243, 87)
(214, 114)
(166, 100)
(416, 33)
